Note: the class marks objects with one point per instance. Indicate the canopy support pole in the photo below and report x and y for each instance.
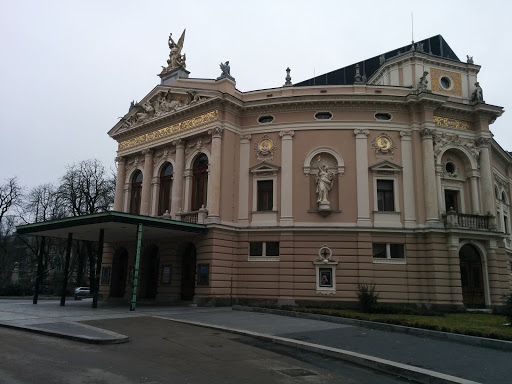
(136, 272)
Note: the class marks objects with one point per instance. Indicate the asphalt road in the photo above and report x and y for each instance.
(162, 351)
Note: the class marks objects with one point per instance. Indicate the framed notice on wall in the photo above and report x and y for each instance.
(166, 274)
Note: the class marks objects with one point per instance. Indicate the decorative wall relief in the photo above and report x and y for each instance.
(384, 144)
(265, 148)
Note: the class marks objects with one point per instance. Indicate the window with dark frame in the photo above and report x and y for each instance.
(165, 189)
(265, 195)
(199, 182)
(388, 251)
(385, 195)
(203, 274)
(136, 193)
(264, 249)
(105, 275)
(166, 274)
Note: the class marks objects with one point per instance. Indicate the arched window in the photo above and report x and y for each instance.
(165, 189)
(136, 192)
(199, 182)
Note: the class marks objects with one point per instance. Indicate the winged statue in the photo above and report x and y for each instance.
(176, 59)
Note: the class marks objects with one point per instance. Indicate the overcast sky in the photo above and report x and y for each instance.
(69, 69)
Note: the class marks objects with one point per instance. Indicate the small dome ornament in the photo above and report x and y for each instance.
(288, 79)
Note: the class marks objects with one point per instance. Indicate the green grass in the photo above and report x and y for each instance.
(473, 324)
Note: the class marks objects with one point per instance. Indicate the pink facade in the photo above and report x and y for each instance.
(308, 190)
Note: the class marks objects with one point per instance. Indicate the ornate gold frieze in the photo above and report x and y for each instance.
(451, 123)
(169, 131)
(455, 79)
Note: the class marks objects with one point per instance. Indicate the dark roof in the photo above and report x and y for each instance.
(118, 226)
(435, 46)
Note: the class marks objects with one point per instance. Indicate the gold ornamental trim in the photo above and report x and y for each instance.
(455, 78)
(170, 131)
(451, 123)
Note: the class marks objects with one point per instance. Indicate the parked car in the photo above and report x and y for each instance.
(82, 291)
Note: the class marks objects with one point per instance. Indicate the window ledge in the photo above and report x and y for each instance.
(263, 258)
(389, 261)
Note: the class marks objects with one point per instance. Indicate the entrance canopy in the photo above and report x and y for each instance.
(117, 226)
(100, 227)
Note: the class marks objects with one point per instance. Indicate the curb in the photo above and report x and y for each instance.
(115, 339)
(502, 345)
(419, 375)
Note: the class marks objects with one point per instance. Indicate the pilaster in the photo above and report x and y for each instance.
(363, 193)
(243, 183)
(429, 177)
(408, 179)
(286, 178)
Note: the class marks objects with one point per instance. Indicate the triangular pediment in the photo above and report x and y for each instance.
(160, 102)
(264, 168)
(386, 166)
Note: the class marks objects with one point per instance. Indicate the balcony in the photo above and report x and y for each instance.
(453, 219)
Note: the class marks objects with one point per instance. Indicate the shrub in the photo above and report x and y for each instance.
(368, 297)
(507, 308)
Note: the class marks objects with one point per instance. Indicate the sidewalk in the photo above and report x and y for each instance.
(420, 358)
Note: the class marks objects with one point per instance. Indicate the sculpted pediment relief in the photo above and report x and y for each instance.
(264, 169)
(156, 105)
(386, 167)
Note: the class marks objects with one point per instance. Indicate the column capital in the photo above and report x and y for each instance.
(361, 133)
(483, 142)
(120, 159)
(405, 135)
(245, 139)
(216, 132)
(286, 135)
(178, 143)
(426, 133)
(148, 152)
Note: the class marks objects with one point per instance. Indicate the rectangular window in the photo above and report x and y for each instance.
(264, 249)
(385, 195)
(166, 274)
(505, 223)
(451, 199)
(265, 195)
(105, 275)
(388, 252)
(203, 274)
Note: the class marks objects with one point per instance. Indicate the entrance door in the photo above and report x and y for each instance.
(471, 277)
(451, 199)
(149, 278)
(188, 273)
(119, 273)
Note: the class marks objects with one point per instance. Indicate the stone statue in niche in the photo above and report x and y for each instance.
(324, 181)
(422, 86)
(478, 96)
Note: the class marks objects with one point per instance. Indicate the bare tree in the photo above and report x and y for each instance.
(87, 188)
(10, 195)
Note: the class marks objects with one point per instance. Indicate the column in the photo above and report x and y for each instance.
(439, 189)
(215, 175)
(363, 193)
(475, 201)
(121, 175)
(286, 178)
(177, 182)
(155, 183)
(429, 177)
(486, 176)
(243, 181)
(146, 182)
(408, 179)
